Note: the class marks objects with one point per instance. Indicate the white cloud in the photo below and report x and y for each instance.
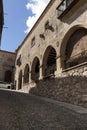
(36, 7)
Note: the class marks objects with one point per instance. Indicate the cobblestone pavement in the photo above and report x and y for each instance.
(20, 111)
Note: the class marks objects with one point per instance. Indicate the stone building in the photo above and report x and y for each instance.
(7, 66)
(7, 59)
(52, 60)
(1, 18)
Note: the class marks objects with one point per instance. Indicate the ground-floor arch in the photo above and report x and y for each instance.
(35, 69)
(49, 61)
(20, 80)
(26, 74)
(74, 51)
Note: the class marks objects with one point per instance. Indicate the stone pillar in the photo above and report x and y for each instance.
(16, 84)
(30, 80)
(40, 73)
(58, 65)
(22, 81)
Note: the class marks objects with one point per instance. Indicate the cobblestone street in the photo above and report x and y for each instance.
(20, 111)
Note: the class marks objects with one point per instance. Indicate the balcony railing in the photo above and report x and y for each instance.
(65, 6)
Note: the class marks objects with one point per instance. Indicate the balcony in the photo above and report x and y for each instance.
(64, 7)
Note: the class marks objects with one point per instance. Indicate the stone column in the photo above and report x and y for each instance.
(22, 81)
(58, 65)
(30, 80)
(17, 84)
(40, 73)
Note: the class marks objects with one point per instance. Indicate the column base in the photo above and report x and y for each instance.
(41, 78)
(58, 73)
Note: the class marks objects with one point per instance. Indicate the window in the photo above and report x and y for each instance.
(64, 7)
(18, 62)
(33, 42)
(46, 25)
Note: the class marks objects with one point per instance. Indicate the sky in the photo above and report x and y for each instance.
(19, 18)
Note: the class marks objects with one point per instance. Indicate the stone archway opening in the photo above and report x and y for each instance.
(26, 74)
(49, 62)
(35, 69)
(76, 49)
(20, 80)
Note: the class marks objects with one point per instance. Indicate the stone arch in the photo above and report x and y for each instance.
(74, 47)
(26, 74)
(35, 69)
(8, 76)
(49, 61)
(20, 80)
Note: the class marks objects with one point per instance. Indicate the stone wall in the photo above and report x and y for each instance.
(71, 87)
(7, 63)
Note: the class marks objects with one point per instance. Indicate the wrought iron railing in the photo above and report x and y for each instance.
(64, 5)
(76, 59)
(50, 70)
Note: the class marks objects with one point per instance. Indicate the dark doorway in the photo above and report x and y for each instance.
(26, 74)
(49, 61)
(20, 80)
(8, 75)
(35, 69)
